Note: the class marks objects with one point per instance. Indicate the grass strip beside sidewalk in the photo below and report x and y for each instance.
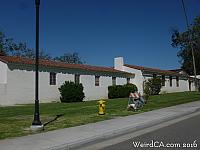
(14, 119)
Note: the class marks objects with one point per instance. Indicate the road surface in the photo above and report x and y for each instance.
(180, 135)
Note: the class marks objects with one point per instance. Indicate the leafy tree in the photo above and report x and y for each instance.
(11, 48)
(180, 40)
(72, 58)
(153, 86)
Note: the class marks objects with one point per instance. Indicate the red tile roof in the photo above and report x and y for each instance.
(154, 70)
(50, 63)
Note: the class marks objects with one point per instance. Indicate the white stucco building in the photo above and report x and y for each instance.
(172, 81)
(17, 80)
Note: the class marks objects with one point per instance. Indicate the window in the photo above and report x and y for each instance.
(163, 80)
(113, 80)
(128, 80)
(170, 81)
(52, 78)
(77, 78)
(97, 80)
(177, 81)
(189, 84)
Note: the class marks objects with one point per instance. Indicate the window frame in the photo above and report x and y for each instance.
(128, 80)
(52, 78)
(97, 80)
(77, 78)
(114, 80)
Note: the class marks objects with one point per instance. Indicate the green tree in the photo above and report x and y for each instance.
(180, 40)
(72, 58)
(153, 86)
(11, 48)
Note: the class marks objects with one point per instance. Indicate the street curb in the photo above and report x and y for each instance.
(119, 132)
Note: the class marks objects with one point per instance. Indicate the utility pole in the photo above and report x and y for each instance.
(190, 45)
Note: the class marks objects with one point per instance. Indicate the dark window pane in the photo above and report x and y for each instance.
(113, 80)
(77, 78)
(52, 78)
(128, 80)
(163, 80)
(97, 80)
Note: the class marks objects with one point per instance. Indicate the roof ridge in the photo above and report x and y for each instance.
(53, 63)
(154, 70)
(149, 67)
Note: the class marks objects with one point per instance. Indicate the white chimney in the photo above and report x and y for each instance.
(119, 63)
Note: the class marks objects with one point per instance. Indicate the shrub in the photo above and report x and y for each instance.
(71, 92)
(121, 91)
(153, 86)
(146, 91)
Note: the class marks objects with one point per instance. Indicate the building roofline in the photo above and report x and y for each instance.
(57, 64)
(155, 70)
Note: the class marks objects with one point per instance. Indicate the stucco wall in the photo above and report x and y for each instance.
(20, 86)
(141, 78)
(3, 73)
(3, 83)
(183, 86)
(3, 94)
(120, 81)
(138, 80)
(93, 92)
(50, 92)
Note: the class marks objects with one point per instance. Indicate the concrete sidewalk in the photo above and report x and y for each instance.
(73, 137)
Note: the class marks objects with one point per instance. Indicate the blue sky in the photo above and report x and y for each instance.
(99, 30)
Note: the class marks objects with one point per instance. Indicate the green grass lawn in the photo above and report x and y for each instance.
(14, 119)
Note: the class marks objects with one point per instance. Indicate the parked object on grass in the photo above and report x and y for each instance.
(135, 101)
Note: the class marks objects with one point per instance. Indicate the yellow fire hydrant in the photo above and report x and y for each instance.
(102, 107)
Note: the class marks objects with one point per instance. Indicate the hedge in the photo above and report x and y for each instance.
(121, 91)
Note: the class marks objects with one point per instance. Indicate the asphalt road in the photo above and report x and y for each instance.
(178, 136)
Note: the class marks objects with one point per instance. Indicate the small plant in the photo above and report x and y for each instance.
(71, 92)
(146, 91)
(153, 86)
(121, 91)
